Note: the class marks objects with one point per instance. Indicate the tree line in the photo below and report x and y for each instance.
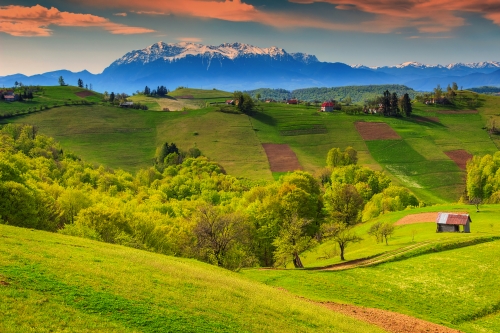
(186, 205)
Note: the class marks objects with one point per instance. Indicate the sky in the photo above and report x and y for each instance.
(41, 36)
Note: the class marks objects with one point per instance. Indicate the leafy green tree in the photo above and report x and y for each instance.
(18, 206)
(381, 231)
(109, 222)
(344, 203)
(112, 97)
(291, 241)
(406, 106)
(80, 83)
(454, 86)
(347, 100)
(341, 234)
(438, 92)
(61, 81)
(218, 233)
(71, 202)
(337, 158)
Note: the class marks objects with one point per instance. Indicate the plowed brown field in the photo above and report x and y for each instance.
(460, 157)
(376, 131)
(281, 157)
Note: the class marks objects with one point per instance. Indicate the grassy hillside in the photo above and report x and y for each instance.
(458, 288)
(50, 282)
(49, 97)
(128, 138)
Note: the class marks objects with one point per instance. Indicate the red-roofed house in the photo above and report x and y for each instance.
(451, 222)
(11, 98)
(327, 106)
(292, 101)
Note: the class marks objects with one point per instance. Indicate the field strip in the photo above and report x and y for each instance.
(460, 157)
(418, 218)
(281, 157)
(376, 131)
(390, 321)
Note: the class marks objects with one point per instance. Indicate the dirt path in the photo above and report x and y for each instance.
(390, 321)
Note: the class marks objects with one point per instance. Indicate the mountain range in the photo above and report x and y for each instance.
(237, 66)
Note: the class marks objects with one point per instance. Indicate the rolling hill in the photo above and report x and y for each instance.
(417, 159)
(51, 282)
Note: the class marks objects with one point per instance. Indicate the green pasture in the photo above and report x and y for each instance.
(458, 288)
(49, 97)
(51, 282)
(452, 279)
(128, 138)
(484, 223)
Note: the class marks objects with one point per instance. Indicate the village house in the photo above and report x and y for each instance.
(230, 102)
(11, 98)
(451, 222)
(328, 106)
(127, 104)
(292, 101)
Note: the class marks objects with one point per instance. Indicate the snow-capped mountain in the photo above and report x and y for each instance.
(418, 65)
(238, 66)
(174, 52)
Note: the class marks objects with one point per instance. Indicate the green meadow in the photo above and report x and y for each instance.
(128, 139)
(51, 282)
(449, 279)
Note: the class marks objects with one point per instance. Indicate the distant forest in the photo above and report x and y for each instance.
(486, 90)
(357, 94)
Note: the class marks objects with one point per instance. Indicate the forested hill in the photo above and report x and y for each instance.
(358, 94)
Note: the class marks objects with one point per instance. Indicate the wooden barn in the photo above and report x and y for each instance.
(451, 222)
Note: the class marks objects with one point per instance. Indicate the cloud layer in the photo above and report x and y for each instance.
(426, 16)
(35, 21)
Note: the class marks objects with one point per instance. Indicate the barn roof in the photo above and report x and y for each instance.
(327, 104)
(453, 219)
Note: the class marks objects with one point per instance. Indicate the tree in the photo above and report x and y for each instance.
(244, 102)
(406, 106)
(336, 157)
(61, 81)
(381, 231)
(218, 233)
(386, 103)
(395, 105)
(80, 83)
(291, 241)
(454, 86)
(258, 96)
(347, 100)
(342, 234)
(112, 97)
(344, 203)
(147, 91)
(438, 92)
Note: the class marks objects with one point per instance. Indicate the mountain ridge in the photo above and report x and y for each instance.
(239, 66)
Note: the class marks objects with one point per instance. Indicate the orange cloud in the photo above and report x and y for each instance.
(427, 16)
(35, 21)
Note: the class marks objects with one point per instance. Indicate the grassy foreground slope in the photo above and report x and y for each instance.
(458, 288)
(50, 282)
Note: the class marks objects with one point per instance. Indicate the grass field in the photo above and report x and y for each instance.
(50, 97)
(128, 138)
(50, 282)
(459, 288)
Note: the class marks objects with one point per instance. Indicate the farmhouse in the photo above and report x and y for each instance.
(11, 98)
(292, 101)
(127, 104)
(230, 102)
(327, 106)
(451, 222)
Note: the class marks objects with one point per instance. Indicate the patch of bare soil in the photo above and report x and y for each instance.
(460, 157)
(84, 94)
(281, 157)
(376, 131)
(185, 97)
(426, 119)
(458, 112)
(389, 321)
(4, 283)
(418, 218)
